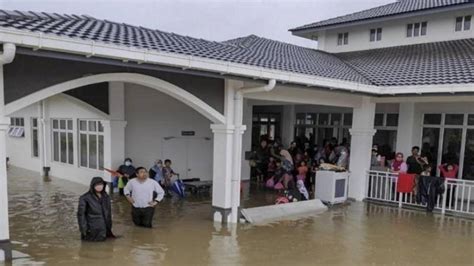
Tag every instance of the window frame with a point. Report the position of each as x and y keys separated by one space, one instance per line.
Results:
x=33 y=129
x=67 y=131
x=17 y=127
x=375 y=35
x=416 y=29
x=342 y=38
x=97 y=133
x=464 y=23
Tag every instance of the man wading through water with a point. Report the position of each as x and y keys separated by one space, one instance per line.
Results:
x=94 y=212
x=143 y=193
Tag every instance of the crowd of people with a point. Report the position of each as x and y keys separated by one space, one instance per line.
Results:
x=292 y=170
x=143 y=190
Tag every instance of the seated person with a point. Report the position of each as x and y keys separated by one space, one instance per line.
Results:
x=126 y=171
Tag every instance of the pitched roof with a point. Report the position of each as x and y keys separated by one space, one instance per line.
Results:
x=396 y=8
x=449 y=62
x=431 y=63
x=260 y=52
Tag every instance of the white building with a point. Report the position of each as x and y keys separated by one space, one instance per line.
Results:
x=79 y=94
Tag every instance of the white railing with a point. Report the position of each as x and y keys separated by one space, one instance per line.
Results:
x=458 y=196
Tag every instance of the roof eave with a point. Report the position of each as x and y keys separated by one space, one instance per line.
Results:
x=300 y=31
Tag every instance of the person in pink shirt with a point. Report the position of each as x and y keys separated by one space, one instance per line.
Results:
x=449 y=170
x=398 y=165
x=302 y=171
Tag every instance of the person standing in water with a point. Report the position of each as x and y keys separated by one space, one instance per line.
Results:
x=143 y=193
x=94 y=212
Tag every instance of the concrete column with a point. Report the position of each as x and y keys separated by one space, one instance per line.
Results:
x=114 y=145
x=222 y=172
x=246 y=139
x=405 y=131
x=362 y=133
x=5 y=248
x=288 y=122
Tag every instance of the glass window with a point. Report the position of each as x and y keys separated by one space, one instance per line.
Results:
x=378 y=120
x=379 y=34
x=336 y=119
x=346 y=38
x=324 y=133
x=92 y=143
x=340 y=37
x=430 y=145
x=83 y=125
x=34 y=137
x=451 y=145
x=372 y=35
x=468 y=167
x=424 y=26
x=392 y=120
x=454 y=119
x=300 y=118
x=324 y=119
x=467 y=22
x=432 y=119
x=470 y=120
x=409 y=30
x=416 y=29
x=387 y=142
x=458 y=26
x=63 y=142
x=348 y=119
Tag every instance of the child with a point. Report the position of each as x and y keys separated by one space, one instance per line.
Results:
x=302 y=171
x=426 y=170
x=449 y=170
x=168 y=174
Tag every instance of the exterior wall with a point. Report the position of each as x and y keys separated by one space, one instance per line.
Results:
x=151 y=117
x=60 y=106
x=440 y=28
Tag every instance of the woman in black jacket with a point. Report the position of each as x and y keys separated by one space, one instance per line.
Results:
x=94 y=212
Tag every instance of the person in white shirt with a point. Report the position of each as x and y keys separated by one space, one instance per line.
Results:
x=143 y=193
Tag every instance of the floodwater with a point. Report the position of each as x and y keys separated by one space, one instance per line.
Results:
x=43 y=225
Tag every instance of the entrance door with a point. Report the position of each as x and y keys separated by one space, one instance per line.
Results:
x=191 y=157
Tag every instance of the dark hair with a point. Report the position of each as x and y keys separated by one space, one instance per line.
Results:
x=426 y=167
x=167 y=161
x=139 y=168
x=415 y=147
x=128 y=159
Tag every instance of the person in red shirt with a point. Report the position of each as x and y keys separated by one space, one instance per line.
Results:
x=302 y=171
x=449 y=171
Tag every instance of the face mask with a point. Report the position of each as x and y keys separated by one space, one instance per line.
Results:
x=128 y=163
x=159 y=164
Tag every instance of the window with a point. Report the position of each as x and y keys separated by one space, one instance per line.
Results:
x=417 y=29
x=17 y=127
x=343 y=38
x=316 y=128
x=34 y=137
x=449 y=138
x=463 y=23
x=376 y=34
x=91 y=144
x=386 y=135
x=63 y=142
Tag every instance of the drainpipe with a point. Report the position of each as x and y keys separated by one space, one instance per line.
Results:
x=237 y=142
x=8 y=53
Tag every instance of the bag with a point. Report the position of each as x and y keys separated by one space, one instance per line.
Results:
x=270 y=183
x=279 y=186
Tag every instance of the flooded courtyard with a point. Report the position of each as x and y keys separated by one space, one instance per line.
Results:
x=43 y=225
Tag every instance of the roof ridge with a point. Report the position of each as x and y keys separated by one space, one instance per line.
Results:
x=16 y=14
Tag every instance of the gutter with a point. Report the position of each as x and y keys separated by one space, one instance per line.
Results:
x=237 y=142
x=8 y=54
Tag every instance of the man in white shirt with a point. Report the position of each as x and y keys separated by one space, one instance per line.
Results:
x=143 y=193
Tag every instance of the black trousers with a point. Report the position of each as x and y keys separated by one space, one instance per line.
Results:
x=143 y=216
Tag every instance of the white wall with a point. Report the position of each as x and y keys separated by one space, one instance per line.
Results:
x=440 y=28
x=151 y=116
x=60 y=106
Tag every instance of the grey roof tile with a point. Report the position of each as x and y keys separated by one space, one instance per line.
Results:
x=398 y=7
x=436 y=63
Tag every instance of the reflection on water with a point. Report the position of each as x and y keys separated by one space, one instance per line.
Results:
x=43 y=225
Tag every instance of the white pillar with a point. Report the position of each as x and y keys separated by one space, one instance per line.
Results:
x=288 y=122
x=5 y=251
x=362 y=133
x=405 y=131
x=246 y=139
x=222 y=172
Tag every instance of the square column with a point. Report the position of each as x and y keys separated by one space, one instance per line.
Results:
x=114 y=145
x=362 y=133
x=44 y=124
x=222 y=172
x=405 y=130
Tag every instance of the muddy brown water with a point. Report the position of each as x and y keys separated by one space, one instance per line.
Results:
x=43 y=225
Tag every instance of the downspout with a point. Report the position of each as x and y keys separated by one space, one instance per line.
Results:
x=6 y=57
x=237 y=142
